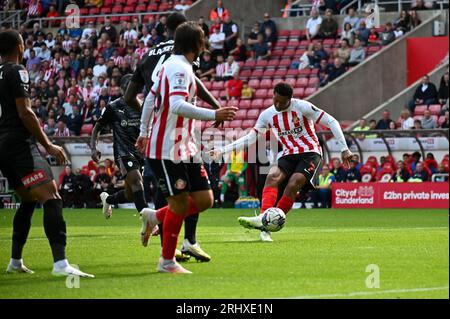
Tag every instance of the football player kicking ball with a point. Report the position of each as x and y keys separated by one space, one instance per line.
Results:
x=22 y=164
x=292 y=121
x=125 y=123
x=171 y=146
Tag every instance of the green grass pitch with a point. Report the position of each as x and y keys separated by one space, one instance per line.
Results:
x=319 y=254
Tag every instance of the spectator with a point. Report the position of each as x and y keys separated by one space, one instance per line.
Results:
x=50 y=41
x=207 y=67
x=422 y=5
x=109 y=29
x=181 y=6
x=426 y=93
x=343 y=52
x=402 y=173
x=357 y=54
x=253 y=36
x=219 y=12
x=235 y=173
x=313 y=24
x=61 y=130
x=52 y=13
x=268 y=23
x=319 y=54
x=220 y=68
x=446 y=123
x=362 y=33
x=50 y=127
x=323 y=72
x=322 y=193
x=415 y=159
x=34 y=9
x=141 y=50
x=338 y=171
x=336 y=70
x=261 y=50
x=44 y=54
x=289 y=6
x=33 y=60
x=403 y=22
x=83 y=189
x=270 y=38
x=155 y=38
x=443 y=89
x=240 y=51
x=247 y=91
x=204 y=26
x=388 y=36
x=351 y=18
x=374 y=37
x=361 y=128
x=441 y=174
x=428 y=122
x=419 y=174
x=347 y=33
x=130 y=34
x=217 y=42
x=431 y=163
x=231 y=68
x=353 y=175
x=100 y=68
x=414 y=19
x=75 y=121
x=406 y=120
x=102 y=181
x=161 y=26
x=329 y=27
x=230 y=29
x=417 y=125
x=68 y=187
x=383 y=124
x=234 y=87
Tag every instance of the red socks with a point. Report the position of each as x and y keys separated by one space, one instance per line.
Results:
x=269 y=198
x=285 y=204
x=172 y=227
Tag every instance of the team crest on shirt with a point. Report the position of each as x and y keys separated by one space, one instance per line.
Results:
x=24 y=76
x=180 y=79
x=180 y=184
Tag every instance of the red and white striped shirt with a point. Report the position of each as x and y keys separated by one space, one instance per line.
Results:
x=172 y=135
x=294 y=127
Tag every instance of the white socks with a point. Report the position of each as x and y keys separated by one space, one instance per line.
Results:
x=16 y=263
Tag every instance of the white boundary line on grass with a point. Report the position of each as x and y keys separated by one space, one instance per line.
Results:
x=369 y=293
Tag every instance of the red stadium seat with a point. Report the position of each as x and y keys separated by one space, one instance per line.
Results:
x=245 y=104
x=141 y=8
x=291 y=81
x=295 y=33
x=267 y=103
x=273 y=64
x=257 y=103
x=233 y=102
x=435 y=109
x=254 y=83
x=265 y=84
x=235 y=124
x=419 y=109
x=257 y=74
x=152 y=7
x=84 y=11
x=299 y=93
x=309 y=91
x=208 y=85
x=86 y=129
x=93 y=11
x=245 y=73
x=108 y=3
x=253 y=114
x=276 y=81
x=304 y=73
x=281 y=45
x=267 y=74
x=372 y=160
x=128 y=9
x=248 y=124
x=441 y=120
x=107 y=10
x=301 y=82
x=313 y=81
x=261 y=93
x=289 y=53
x=285 y=63
x=280 y=73
x=292 y=73
x=261 y=64
x=117 y=9
x=241 y=115
x=218 y=85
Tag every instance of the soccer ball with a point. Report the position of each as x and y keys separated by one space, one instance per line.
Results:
x=273 y=219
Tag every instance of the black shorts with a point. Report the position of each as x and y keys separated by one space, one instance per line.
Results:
x=127 y=164
x=307 y=164
x=23 y=165
x=176 y=178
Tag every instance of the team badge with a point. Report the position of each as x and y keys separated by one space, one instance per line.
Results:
x=180 y=79
x=130 y=164
x=180 y=184
x=24 y=76
x=124 y=123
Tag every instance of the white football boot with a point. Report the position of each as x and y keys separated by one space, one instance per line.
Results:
x=251 y=222
x=265 y=236
x=171 y=266
x=107 y=209
x=62 y=268
x=17 y=266
x=195 y=251
x=149 y=222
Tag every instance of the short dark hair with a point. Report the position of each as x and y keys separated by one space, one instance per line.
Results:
x=9 y=40
x=174 y=20
x=283 y=89
x=189 y=37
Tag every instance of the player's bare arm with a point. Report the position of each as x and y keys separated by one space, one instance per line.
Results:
x=131 y=93
x=95 y=153
x=31 y=122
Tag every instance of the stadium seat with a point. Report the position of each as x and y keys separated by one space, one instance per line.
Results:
x=241 y=115
x=265 y=84
x=128 y=9
x=215 y=93
x=313 y=81
x=277 y=53
x=253 y=114
x=117 y=9
x=108 y=10
x=301 y=82
x=289 y=53
x=254 y=83
x=261 y=93
x=292 y=73
x=303 y=44
x=275 y=82
x=108 y=3
x=235 y=124
x=291 y=81
x=245 y=104
x=261 y=64
x=293 y=43
x=419 y=109
x=309 y=91
x=257 y=74
x=245 y=74
x=141 y=8
x=267 y=74
x=267 y=103
x=435 y=109
x=441 y=120
x=152 y=7
x=273 y=64
x=417 y=117
x=218 y=85
x=299 y=93
x=281 y=45
x=248 y=124
x=94 y=11
x=285 y=62
x=233 y=102
x=208 y=85
x=256 y=104
x=280 y=73
x=86 y=129
x=304 y=73
x=84 y=11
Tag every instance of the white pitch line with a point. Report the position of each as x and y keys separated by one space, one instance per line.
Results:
x=369 y=293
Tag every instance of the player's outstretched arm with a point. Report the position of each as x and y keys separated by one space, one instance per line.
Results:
x=31 y=122
x=180 y=107
x=239 y=144
x=147 y=110
x=205 y=95
x=321 y=117
x=95 y=153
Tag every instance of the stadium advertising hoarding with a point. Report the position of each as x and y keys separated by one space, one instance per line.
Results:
x=390 y=195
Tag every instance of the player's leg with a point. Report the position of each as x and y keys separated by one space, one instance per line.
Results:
x=277 y=174
x=21 y=228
